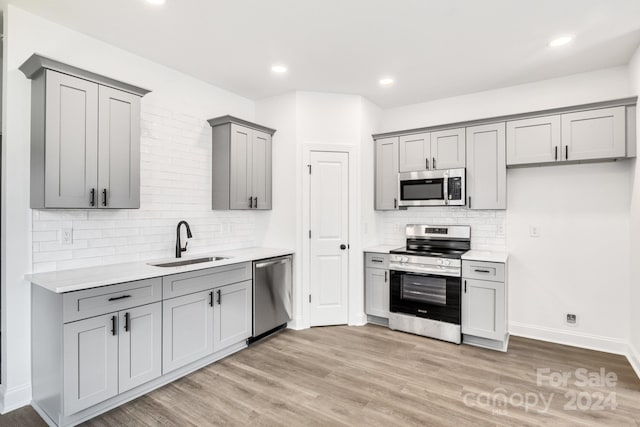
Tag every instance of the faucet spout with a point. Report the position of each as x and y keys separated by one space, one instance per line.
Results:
x=179 y=248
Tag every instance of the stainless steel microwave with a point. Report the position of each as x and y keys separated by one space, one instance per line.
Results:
x=433 y=188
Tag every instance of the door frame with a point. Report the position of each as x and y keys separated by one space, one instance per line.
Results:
x=353 y=317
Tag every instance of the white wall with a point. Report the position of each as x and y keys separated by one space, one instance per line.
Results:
x=582 y=211
x=175 y=163
x=634 y=344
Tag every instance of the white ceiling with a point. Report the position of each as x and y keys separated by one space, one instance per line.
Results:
x=433 y=48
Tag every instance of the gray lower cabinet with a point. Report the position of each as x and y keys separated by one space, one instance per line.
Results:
x=90 y=362
x=187 y=329
x=376 y=284
x=486 y=167
x=139 y=345
x=242 y=177
x=85 y=138
x=484 y=304
x=386 y=174
x=232 y=315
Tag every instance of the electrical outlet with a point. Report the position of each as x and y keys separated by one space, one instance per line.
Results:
x=66 y=236
x=571 y=319
x=534 y=231
x=501 y=230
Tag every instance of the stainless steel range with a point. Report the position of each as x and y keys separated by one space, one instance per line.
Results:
x=426 y=281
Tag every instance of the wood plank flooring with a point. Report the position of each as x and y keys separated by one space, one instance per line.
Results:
x=373 y=376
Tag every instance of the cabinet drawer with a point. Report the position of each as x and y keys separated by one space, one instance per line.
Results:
x=108 y=299
x=201 y=280
x=493 y=271
x=375 y=260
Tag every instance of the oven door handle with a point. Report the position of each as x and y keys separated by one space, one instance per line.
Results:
x=454 y=272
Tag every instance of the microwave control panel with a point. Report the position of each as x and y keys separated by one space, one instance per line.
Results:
x=455 y=188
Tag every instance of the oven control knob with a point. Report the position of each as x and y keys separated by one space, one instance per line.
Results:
x=447 y=262
x=439 y=262
x=405 y=259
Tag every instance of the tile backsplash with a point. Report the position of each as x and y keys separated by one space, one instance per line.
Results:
x=175 y=171
x=487 y=227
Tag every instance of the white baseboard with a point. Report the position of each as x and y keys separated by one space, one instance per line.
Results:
x=14 y=398
x=574 y=339
x=296 y=324
x=633 y=356
x=360 y=319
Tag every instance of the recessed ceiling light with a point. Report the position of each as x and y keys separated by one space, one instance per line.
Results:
x=156 y=2
x=561 y=41
x=386 y=81
x=280 y=69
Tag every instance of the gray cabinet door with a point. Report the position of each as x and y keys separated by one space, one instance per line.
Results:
x=377 y=292
x=240 y=167
x=71 y=135
x=261 y=170
x=535 y=140
x=90 y=362
x=232 y=314
x=448 y=149
x=594 y=134
x=415 y=152
x=119 y=149
x=486 y=167
x=483 y=309
x=386 y=174
x=139 y=345
x=187 y=329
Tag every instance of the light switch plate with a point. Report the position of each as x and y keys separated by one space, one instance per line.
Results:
x=534 y=231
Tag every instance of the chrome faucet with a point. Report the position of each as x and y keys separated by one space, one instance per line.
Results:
x=179 y=248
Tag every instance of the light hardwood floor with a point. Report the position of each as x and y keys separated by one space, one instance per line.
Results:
x=371 y=375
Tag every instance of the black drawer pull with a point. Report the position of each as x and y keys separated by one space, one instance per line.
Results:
x=113 y=325
x=120 y=297
x=376 y=260
x=481 y=271
x=126 y=322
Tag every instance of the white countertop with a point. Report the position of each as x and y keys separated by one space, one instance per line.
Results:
x=382 y=249
x=103 y=275
x=487 y=256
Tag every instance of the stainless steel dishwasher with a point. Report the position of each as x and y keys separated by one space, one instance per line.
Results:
x=272 y=302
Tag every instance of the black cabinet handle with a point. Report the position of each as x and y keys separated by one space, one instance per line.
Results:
x=250 y=202
x=465 y=286
x=385 y=276
x=120 y=297
x=219 y=297
x=343 y=247
x=255 y=203
x=126 y=322
x=433 y=163
x=469 y=202
x=566 y=152
x=481 y=271
x=395 y=203
x=113 y=325
x=211 y=298
x=426 y=161
x=556 y=152
x=104 y=197
x=92 y=200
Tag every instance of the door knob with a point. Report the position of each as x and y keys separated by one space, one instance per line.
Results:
x=343 y=246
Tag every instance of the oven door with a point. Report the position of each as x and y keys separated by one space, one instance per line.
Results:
x=426 y=295
x=427 y=188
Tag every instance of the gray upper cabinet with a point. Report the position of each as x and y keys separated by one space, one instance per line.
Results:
x=241 y=164
x=386 y=174
x=415 y=152
x=594 y=134
x=535 y=140
x=486 y=167
x=118 y=149
x=448 y=149
x=85 y=138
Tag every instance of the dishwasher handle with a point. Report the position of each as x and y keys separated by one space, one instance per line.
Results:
x=266 y=264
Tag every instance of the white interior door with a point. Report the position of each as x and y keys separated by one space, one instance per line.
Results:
x=329 y=226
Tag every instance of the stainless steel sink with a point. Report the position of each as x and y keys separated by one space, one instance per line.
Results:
x=188 y=261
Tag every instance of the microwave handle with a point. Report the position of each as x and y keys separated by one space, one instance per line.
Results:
x=446 y=189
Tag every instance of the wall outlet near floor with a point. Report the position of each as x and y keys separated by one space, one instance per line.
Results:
x=571 y=319
x=66 y=236
x=534 y=231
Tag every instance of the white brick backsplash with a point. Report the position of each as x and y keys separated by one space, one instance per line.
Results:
x=484 y=224
x=175 y=175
